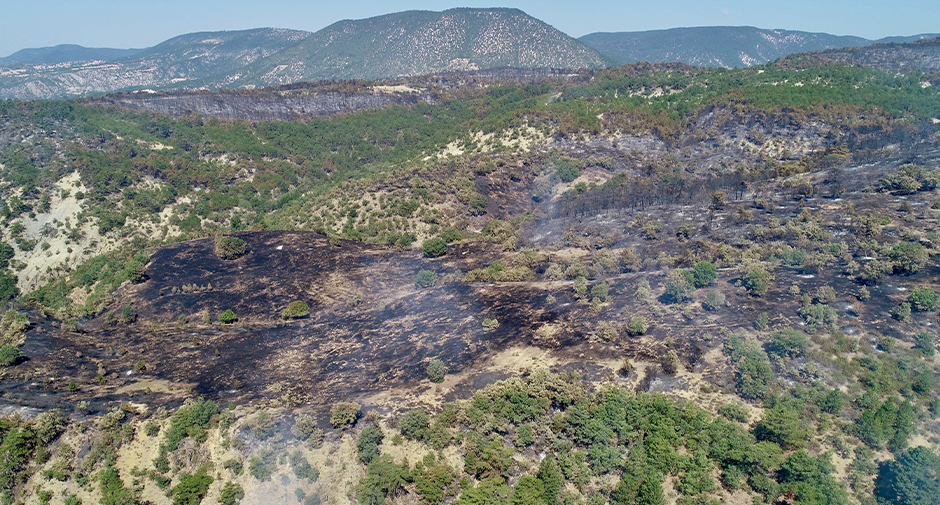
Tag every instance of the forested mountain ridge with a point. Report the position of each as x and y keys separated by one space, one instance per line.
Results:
x=718 y=46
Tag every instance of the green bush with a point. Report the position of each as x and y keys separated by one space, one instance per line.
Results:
x=600 y=292
x=261 y=464
x=678 y=287
x=638 y=326
x=232 y=493
x=9 y=354
x=414 y=424
x=908 y=257
x=450 y=235
x=425 y=279
x=436 y=370
x=191 y=488
x=923 y=299
x=295 y=310
x=703 y=273
x=344 y=414
x=714 y=300
x=924 y=342
x=230 y=248
x=228 y=317
x=434 y=247
x=303 y=427
x=368 y=443
x=788 y=342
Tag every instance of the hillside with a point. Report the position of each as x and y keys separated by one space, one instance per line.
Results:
x=422 y=42
x=62 y=54
x=923 y=54
x=720 y=46
x=174 y=63
x=713 y=46
x=654 y=283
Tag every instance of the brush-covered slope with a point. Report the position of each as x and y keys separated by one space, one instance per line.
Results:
x=713 y=46
x=423 y=42
x=174 y=62
x=64 y=53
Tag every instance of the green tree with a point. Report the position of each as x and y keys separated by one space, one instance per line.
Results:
x=678 y=287
x=908 y=257
x=230 y=248
x=912 y=479
x=344 y=414
x=703 y=273
x=191 y=488
x=232 y=493
x=923 y=299
x=425 y=279
x=434 y=247
x=368 y=443
x=228 y=317
x=414 y=424
x=436 y=370
x=9 y=354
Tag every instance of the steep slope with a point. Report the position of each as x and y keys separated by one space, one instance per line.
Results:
x=64 y=53
x=422 y=42
x=713 y=46
x=174 y=62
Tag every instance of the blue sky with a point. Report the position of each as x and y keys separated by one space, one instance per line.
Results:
x=113 y=23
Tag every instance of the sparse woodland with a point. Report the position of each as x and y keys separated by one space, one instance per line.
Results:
x=648 y=284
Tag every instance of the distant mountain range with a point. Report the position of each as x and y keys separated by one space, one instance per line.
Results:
x=394 y=45
x=720 y=46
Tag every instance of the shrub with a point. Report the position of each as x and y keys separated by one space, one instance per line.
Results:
x=191 y=488
x=9 y=354
x=903 y=313
x=756 y=281
x=228 y=317
x=425 y=279
x=303 y=427
x=230 y=248
x=368 y=443
x=606 y=331
x=678 y=287
x=450 y=235
x=788 y=342
x=436 y=370
x=671 y=363
x=762 y=321
x=924 y=341
x=434 y=247
x=600 y=292
x=923 y=299
x=414 y=424
x=638 y=326
x=344 y=414
x=261 y=463
x=734 y=411
x=232 y=493
x=908 y=257
x=754 y=378
x=703 y=273
x=714 y=300
x=825 y=294
x=295 y=310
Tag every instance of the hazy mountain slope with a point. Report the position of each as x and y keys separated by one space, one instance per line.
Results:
x=422 y=42
x=924 y=55
x=713 y=46
x=174 y=62
x=64 y=53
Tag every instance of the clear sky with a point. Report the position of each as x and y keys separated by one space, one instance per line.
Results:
x=135 y=23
